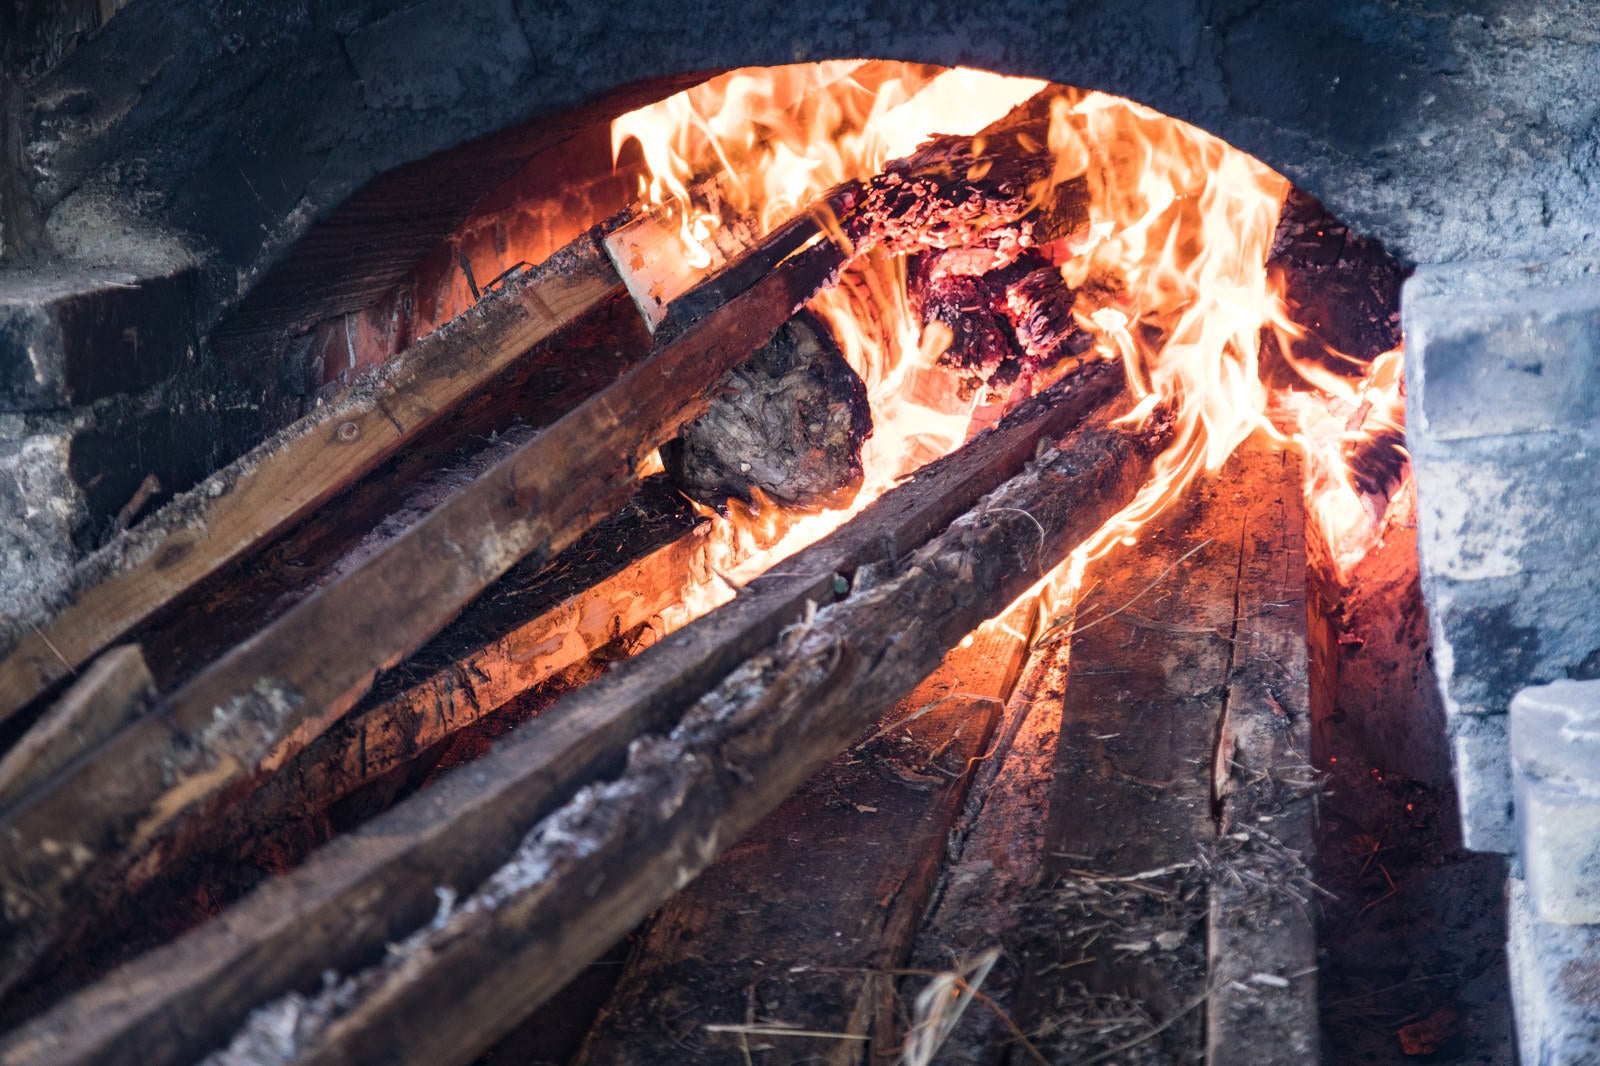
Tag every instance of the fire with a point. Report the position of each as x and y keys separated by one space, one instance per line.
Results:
x=1175 y=258
x=1357 y=467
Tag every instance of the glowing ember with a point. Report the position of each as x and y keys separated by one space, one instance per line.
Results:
x=1170 y=273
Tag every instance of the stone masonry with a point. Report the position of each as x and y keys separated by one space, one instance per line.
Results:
x=1503 y=369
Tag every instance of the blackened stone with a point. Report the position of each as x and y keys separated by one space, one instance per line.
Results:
x=790 y=422
x=71 y=341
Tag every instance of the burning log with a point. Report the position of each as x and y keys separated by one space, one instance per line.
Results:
x=993 y=192
x=226 y=730
x=376 y=884
x=1005 y=323
x=457 y=983
x=790 y=422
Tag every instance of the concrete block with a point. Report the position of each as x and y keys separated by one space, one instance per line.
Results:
x=1500 y=349
x=1555 y=986
x=70 y=338
x=1496 y=507
x=1555 y=759
x=1482 y=755
x=1503 y=382
x=1492 y=638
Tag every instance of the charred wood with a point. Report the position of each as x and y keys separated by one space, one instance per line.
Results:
x=288 y=477
x=854 y=852
x=994 y=191
x=1006 y=322
x=372 y=886
x=461 y=981
x=791 y=422
x=112 y=692
x=534 y=632
x=217 y=738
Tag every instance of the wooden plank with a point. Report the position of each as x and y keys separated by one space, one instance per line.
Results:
x=112 y=692
x=1262 y=940
x=371 y=886
x=997 y=854
x=534 y=624
x=239 y=600
x=589 y=872
x=1160 y=646
x=245 y=716
x=797 y=925
x=301 y=468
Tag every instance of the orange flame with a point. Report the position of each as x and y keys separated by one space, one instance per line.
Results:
x=764 y=143
x=1181 y=225
x=1337 y=424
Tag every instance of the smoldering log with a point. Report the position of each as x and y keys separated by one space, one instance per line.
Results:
x=995 y=190
x=790 y=422
x=594 y=868
x=1006 y=321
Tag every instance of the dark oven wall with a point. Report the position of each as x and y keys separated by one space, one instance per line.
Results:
x=1448 y=134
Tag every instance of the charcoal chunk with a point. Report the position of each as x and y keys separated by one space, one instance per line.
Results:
x=790 y=422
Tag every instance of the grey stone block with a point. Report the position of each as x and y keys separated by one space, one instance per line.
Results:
x=68 y=339
x=1482 y=756
x=1503 y=379
x=1492 y=638
x=1555 y=986
x=1503 y=348
x=1555 y=754
x=1500 y=506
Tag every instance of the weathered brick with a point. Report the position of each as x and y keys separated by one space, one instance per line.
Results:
x=1555 y=758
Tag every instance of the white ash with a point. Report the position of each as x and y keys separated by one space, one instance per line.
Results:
x=287 y=1028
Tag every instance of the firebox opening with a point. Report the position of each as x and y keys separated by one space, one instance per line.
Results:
x=968 y=254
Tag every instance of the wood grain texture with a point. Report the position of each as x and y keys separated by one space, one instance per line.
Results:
x=305 y=465
x=996 y=857
x=1173 y=640
x=112 y=692
x=799 y=922
x=1262 y=938
x=370 y=887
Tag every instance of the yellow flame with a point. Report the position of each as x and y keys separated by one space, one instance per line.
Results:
x=1175 y=255
x=766 y=142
